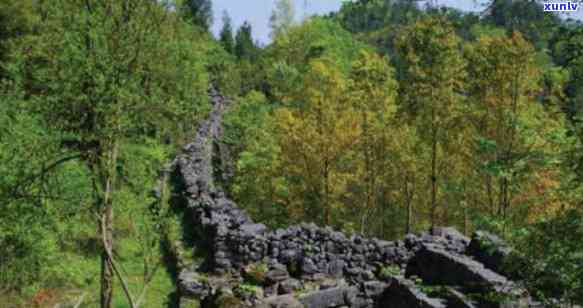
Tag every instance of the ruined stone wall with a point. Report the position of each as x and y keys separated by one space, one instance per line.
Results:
x=311 y=253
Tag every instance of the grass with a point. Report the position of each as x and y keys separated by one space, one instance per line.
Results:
x=78 y=269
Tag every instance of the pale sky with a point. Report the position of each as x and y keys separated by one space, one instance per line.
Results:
x=257 y=12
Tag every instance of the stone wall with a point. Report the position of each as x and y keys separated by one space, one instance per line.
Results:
x=350 y=271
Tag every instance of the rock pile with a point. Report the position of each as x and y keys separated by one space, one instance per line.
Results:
x=439 y=268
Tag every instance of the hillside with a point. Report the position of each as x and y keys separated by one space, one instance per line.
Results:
x=389 y=154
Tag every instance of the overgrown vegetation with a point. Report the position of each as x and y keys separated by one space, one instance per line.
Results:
x=382 y=118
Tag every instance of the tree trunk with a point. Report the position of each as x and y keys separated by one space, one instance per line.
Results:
x=434 y=178
x=409 y=202
x=106 y=267
x=327 y=209
x=106 y=226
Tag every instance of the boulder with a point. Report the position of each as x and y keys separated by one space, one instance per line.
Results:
x=489 y=249
x=325 y=298
x=283 y=301
x=289 y=286
x=276 y=275
x=439 y=267
x=456 y=299
x=403 y=293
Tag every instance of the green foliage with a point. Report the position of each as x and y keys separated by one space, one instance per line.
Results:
x=551 y=257
x=36 y=193
x=313 y=39
x=472 y=122
x=366 y=16
x=226 y=34
x=90 y=106
x=245 y=48
x=248 y=290
x=223 y=70
x=566 y=51
x=389 y=271
x=249 y=128
x=17 y=19
x=528 y=17
x=198 y=12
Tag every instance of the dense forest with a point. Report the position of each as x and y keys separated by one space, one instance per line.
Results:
x=384 y=118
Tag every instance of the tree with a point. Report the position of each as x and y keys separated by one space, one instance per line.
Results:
x=244 y=46
x=199 y=12
x=259 y=185
x=432 y=79
x=282 y=17
x=372 y=91
x=566 y=49
x=550 y=258
x=515 y=132
x=318 y=130
x=290 y=55
x=527 y=17
x=226 y=34
x=97 y=87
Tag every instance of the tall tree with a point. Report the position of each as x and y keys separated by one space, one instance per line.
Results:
x=514 y=143
x=566 y=50
x=373 y=91
x=282 y=17
x=226 y=34
x=244 y=46
x=99 y=74
x=199 y=12
x=318 y=130
x=433 y=76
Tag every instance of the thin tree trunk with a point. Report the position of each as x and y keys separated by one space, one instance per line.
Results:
x=491 y=205
x=368 y=174
x=106 y=268
x=327 y=214
x=434 y=178
x=409 y=204
x=465 y=209
x=107 y=271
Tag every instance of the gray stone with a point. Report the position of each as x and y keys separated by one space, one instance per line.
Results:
x=437 y=266
x=289 y=286
x=190 y=285
x=283 y=301
x=276 y=275
x=373 y=289
x=336 y=268
x=456 y=299
x=489 y=249
x=402 y=293
x=308 y=267
x=324 y=298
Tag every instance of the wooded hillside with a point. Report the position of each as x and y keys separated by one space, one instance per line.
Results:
x=382 y=119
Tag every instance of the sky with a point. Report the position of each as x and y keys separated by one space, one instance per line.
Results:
x=257 y=12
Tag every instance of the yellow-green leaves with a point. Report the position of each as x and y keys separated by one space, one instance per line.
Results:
x=433 y=79
x=316 y=137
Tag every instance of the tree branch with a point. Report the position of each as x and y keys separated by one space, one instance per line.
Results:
x=50 y=167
